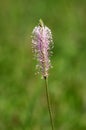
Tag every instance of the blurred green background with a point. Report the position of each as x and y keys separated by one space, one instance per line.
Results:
x=22 y=93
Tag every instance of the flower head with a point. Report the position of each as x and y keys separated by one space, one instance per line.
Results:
x=42 y=44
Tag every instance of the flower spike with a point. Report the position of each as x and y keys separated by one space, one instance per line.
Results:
x=42 y=45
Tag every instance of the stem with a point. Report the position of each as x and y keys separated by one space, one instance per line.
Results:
x=48 y=103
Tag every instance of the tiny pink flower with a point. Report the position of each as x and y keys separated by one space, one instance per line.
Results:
x=42 y=45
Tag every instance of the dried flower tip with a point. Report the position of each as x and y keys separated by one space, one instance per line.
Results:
x=42 y=44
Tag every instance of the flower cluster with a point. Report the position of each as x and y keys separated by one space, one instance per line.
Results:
x=42 y=44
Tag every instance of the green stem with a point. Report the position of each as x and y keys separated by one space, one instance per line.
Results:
x=48 y=103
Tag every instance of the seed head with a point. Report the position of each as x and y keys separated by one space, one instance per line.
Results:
x=42 y=44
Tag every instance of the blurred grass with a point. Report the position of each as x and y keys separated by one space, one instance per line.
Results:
x=22 y=99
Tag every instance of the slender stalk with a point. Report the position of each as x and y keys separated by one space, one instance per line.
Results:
x=48 y=103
